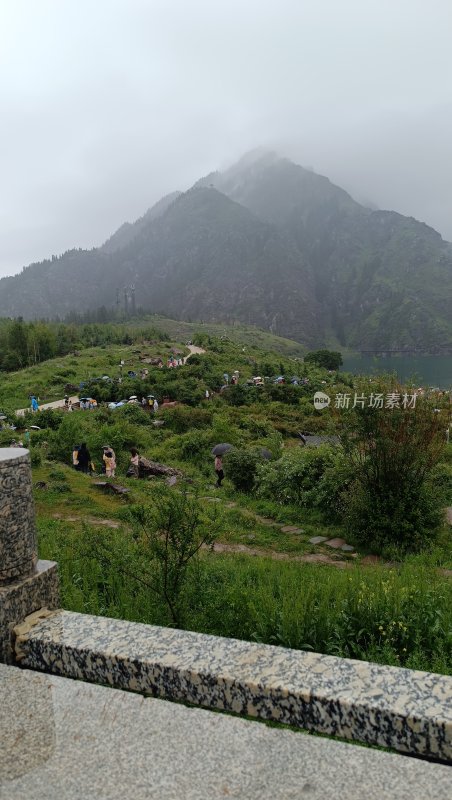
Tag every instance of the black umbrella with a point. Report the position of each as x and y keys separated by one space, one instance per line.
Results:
x=266 y=453
x=221 y=449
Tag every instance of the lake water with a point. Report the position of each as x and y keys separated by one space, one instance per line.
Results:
x=425 y=370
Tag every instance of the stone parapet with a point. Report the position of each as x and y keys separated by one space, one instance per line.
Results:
x=20 y=599
x=402 y=709
x=66 y=740
x=18 y=548
x=26 y=584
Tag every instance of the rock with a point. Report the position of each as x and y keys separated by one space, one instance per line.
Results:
x=171 y=481
x=318 y=539
x=290 y=529
x=335 y=543
x=146 y=467
x=347 y=548
x=110 y=487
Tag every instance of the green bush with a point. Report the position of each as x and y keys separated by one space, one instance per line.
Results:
x=49 y=418
x=257 y=426
x=296 y=477
x=241 y=468
x=328 y=359
x=195 y=446
x=133 y=413
x=239 y=395
x=393 y=503
x=181 y=418
x=35 y=457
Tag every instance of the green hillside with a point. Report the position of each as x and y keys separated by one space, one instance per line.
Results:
x=265 y=575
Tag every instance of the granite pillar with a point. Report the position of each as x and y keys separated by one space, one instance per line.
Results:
x=26 y=584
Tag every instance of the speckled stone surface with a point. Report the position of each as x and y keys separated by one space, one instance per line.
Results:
x=66 y=740
x=18 y=549
x=19 y=599
x=403 y=709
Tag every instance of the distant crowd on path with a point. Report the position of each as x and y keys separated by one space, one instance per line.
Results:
x=150 y=402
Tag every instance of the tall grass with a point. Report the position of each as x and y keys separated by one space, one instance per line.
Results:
x=395 y=616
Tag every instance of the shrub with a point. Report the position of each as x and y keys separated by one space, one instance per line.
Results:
x=181 y=418
x=328 y=359
x=239 y=395
x=258 y=427
x=393 y=502
x=49 y=418
x=35 y=457
x=241 y=468
x=296 y=477
x=194 y=446
x=133 y=413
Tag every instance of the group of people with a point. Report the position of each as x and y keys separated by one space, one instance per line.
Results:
x=150 y=402
x=82 y=462
x=174 y=361
x=234 y=378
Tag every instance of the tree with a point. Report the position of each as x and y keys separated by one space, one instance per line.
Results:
x=171 y=534
x=329 y=359
x=393 y=502
x=18 y=341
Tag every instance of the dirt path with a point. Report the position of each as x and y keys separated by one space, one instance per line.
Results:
x=309 y=558
x=193 y=349
x=55 y=404
x=106 y=523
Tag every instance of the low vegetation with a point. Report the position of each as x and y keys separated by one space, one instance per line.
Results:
x=222 y=561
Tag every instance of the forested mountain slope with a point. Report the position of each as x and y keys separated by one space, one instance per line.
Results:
x=270 y=243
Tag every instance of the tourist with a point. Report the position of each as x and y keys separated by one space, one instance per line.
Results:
x=34 y=404
x=219 y=471
x=27 y=437
x=69 y=406
x=207 y=394
x=84 y=458
x=110 y=463
x=155 y=405
x=135 y=462
x=75 y=463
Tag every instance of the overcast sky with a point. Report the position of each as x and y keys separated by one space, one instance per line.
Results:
x=106 y=105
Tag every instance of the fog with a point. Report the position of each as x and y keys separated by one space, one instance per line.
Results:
x=108 y=105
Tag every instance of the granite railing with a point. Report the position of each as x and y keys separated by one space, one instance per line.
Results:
x=26 y=583
x=402 y=709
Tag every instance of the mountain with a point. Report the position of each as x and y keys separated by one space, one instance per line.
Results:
x=265 y=242
x=128 y=231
